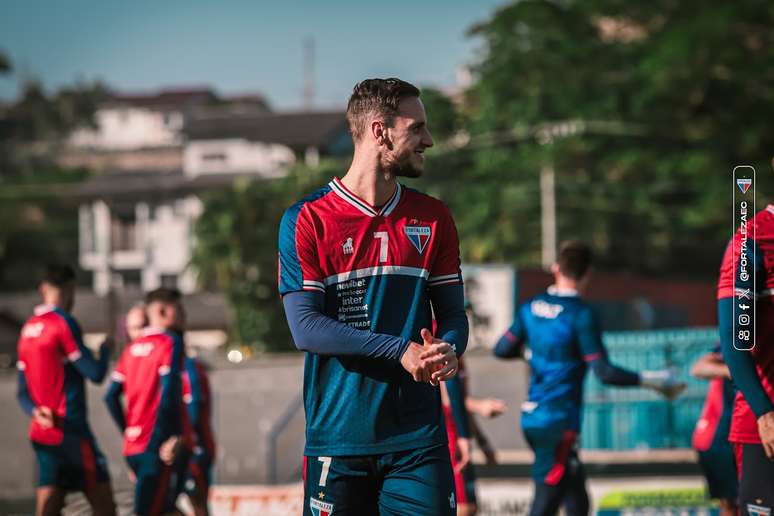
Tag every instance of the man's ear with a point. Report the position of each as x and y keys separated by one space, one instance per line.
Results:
x=554 y=268
x=381 y=134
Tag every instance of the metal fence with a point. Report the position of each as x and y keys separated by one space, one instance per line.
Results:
x=624 y=419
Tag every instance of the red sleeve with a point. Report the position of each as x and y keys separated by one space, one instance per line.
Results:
x=445 y=270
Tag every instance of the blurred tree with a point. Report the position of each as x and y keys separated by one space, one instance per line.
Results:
x=39 y=223
x=688 y=86
x=441 y=114
x=236 y=251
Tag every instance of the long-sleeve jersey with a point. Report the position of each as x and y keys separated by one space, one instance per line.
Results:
x=561 y=336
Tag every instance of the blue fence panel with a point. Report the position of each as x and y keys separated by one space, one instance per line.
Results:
x=622 y=419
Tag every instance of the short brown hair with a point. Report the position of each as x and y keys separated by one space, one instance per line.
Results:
x=574 y=259
x=167 y=296
x=378 y=97
x=58 y=274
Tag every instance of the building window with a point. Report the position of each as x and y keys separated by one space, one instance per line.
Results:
x=123 y=228
x=169 y=280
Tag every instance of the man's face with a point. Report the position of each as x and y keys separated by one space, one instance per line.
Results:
x=135 y=322
x=406 y=140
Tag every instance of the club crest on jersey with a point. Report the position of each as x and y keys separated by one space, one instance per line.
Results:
x=348 y=247
x=320 y=508
x=419 y=236
x=744 y=184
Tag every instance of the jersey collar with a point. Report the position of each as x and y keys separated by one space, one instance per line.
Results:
x=562 y=292
x=152 y=330
x=339 y=189
x=44 y=309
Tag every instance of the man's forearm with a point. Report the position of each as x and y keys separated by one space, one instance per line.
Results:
x=315 y=332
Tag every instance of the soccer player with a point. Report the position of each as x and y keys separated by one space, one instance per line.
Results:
x=563 y=340
x=710 y=437
x=198 y=400
x=53 y=362
x=364 y=264
x=155 y=425
x=752 y=422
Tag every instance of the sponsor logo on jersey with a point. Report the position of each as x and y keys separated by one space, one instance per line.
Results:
x=320 y=508
x=744 y=184
x=758 y=510
x=419 y=236
x=546 y=310
x=32 y=330
x=348 y=247
x=141 y=349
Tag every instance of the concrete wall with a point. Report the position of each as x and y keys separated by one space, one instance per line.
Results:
x=248 y=400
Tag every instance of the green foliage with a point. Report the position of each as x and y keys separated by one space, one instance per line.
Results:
x=689 y=81
x=236 y=251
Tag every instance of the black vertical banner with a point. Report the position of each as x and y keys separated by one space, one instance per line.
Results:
x=744 y=252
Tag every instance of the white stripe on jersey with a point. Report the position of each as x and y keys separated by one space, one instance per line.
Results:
x=433 y=279
x=388 y=207
x=377 y=271
x=312 y=283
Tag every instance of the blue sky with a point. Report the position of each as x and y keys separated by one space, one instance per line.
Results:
x=238 y=46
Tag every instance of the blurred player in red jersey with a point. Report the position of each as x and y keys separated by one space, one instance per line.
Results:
x=157 y=433
x=461 y=428
x=52 y=364
x=198 y=399
x=710 y=437
x=751 y=253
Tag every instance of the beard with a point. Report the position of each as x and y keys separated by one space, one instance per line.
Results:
x=402 y=166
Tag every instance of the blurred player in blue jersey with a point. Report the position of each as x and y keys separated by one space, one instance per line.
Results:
x=365 y=263
x=558 y=334
x=53 y=362
x=710 y=437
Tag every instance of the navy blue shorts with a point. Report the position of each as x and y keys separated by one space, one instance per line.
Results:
x=158 y=485
x=406 y=482
x=76 y=464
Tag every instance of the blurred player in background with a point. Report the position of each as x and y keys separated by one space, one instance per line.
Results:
x=53 y=362
x=157 y=434
x=710 y=437
x=752 y=423
x=558 y=334
x=364 y=263
x=461 y=428
x=198 y=400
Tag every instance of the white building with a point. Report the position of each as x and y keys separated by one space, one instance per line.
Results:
x=137 y=227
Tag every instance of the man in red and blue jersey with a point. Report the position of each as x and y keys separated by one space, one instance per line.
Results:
x=198 y=399
x=710 y=437
x=558 y=334
x=157 y=434
x=53 y=362
x=752 y=423
x=365 y=263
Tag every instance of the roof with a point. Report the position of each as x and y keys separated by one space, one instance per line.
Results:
x=297 y=130
x=165 y=99
x=131 y=184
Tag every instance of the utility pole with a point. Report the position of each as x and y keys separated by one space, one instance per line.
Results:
x=548 y=214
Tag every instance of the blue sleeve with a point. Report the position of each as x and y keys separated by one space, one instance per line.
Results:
x=315 y=332
x=23 y=394
x=594 y=353
x=194 y=407
x=456 y=392
x=741 y=363
x=113 y=402
x=511 y=344
x=169 y=421
x=450 y=317
x=94 y=370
